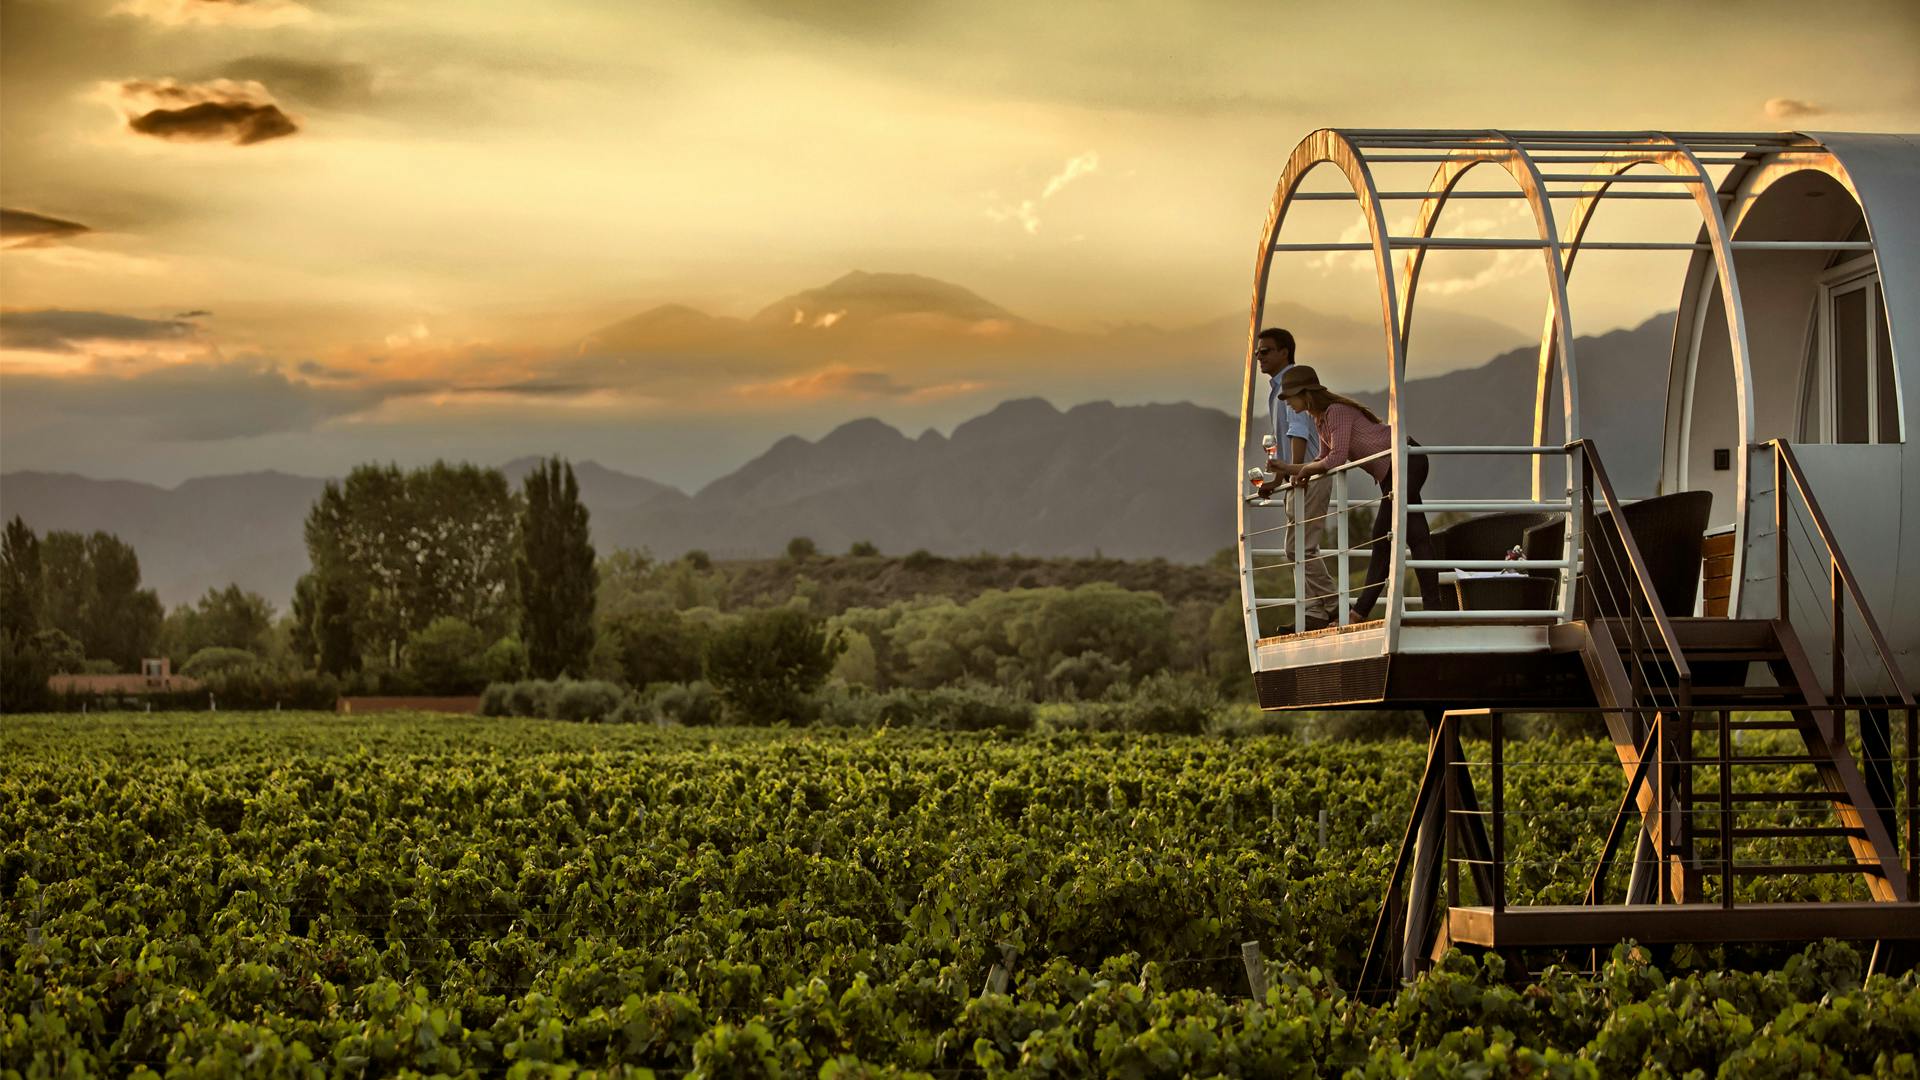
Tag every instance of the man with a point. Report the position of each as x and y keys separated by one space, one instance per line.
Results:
x=1297 y=442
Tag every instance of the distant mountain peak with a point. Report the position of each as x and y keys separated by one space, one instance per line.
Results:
x=860 y=296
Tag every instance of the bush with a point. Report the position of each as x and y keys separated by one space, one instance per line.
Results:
x=650 y=646
x=262 y=687
x=215 y=659
x=504 y=661
x=1089 y=675
x=693 y=704
x=768 y=662
x=443 y=656
x=1163 y=704
x=962 y=707
x=585 y=700
x=863 y=549
x=528 y=697
x=1166 y=704
x=802 y=547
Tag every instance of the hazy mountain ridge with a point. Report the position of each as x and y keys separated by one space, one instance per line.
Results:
x=1025 y=477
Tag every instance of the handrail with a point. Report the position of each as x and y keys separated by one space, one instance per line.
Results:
x=1642 y=576
x=1841 y=570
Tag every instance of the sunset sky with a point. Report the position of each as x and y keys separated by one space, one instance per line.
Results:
x=246 y=234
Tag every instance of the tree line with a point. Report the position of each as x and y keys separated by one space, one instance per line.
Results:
x=445 y=579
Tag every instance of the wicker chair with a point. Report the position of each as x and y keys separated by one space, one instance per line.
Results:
x=1668 y=530
x=1490 y=536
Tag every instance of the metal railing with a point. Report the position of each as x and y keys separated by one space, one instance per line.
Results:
x=1288 y=502
x=1842 y=584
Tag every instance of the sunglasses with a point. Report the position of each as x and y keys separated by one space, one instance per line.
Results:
x=1263 y=350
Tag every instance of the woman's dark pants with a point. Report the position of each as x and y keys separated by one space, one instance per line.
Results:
x=1418 y=539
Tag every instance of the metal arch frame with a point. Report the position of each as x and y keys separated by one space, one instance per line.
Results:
x=1523 y=154
x=1322 y=147
x=1755 y=183
x=1558 y=332
x=1526 y=174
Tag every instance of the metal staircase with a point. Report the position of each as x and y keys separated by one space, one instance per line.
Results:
x=1743 y=791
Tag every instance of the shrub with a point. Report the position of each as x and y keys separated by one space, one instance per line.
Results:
x=1089 y=675
x=768 y=662
x=444 y=654
x=921 y=560
x=693 y=704
x=588 y=700
x=650 y=646
x=528 y=697
x=217 y=658
x=802 y=547
x=585 y=700
x=504 y=661
x=862 y=549
x=962 y=707
x=1166 y=704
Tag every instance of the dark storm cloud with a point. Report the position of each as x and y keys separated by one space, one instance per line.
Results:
x=190 y=402
x=24 y=228
x=54 y=330
x=196 y=313
x=328 y=84
x=242 y=122
x=235 y=110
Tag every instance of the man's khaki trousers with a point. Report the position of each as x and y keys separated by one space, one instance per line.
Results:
x=1310 y=516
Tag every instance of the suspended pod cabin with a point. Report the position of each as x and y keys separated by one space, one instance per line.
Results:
x=1748 y=634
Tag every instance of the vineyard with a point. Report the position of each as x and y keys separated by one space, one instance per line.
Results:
x=306 y=895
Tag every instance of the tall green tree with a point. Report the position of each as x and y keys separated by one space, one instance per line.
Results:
x=554 y=573
x=23 y=666
x=122 y=619
x=91 y=591
x=21 y=587
x=231 y=618
x=405 y=548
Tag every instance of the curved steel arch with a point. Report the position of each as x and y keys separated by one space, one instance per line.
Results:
x=1326 y=146
x=1680 y=160
x=1518 y=164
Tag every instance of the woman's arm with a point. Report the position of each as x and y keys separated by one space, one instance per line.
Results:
x=1334 y=432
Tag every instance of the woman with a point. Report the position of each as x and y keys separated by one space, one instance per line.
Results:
x=1349 y=431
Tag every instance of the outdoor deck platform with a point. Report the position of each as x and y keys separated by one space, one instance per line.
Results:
x=1546 y=927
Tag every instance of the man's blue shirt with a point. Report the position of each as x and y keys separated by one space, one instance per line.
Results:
x=1287 y=422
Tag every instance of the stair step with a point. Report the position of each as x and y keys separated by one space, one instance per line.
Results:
x=1793 y=869
x=1753 y=725
x=1697 y=655
x=1786 y=832
x=1755 y=759
x=1748 y=692
x=1815 y=797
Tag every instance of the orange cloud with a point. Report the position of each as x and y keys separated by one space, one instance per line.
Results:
x=846 y=383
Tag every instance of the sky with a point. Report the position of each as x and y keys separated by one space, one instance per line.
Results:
x=304 y=234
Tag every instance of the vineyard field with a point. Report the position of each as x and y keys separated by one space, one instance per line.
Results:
x=304 y=894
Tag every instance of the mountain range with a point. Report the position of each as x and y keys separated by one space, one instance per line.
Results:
x=1026 y=477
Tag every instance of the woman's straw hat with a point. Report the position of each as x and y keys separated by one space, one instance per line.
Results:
x=1299 y=378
